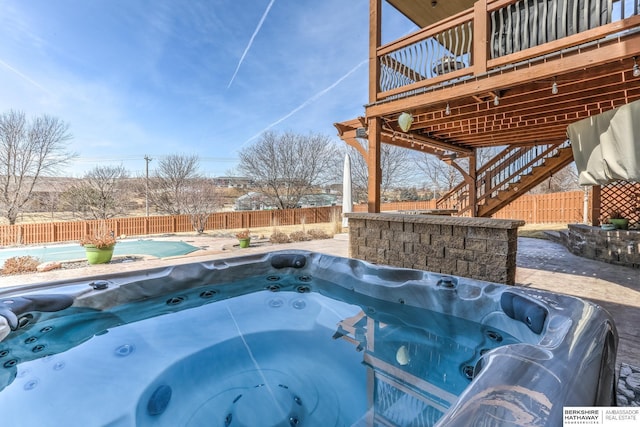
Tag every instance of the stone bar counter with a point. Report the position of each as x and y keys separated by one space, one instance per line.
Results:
x=479 y=248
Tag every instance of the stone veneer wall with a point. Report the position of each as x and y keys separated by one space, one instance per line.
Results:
x=479 y=248
x=613 y=246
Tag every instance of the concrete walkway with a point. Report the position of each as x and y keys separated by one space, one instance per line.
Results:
x=541 y=264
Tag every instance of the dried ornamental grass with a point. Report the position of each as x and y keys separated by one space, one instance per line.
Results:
x=244 y=234
x=317 y=234
x=101 y=238
x=299 y=236
x=279 y=237
x=20 y=264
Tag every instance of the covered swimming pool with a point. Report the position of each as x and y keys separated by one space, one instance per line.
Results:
x=155 y=248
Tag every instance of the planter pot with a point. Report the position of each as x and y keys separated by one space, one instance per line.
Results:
x=98 y=255
x=244 y=243
x=620 y=223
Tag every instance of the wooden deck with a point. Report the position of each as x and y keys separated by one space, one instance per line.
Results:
x=471 y=78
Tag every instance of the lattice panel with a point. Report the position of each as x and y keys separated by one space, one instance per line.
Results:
x=624 y=197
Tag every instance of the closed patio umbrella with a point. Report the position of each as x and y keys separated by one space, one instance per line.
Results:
x=347 y=204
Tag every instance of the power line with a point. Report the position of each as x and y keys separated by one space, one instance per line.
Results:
x=133 y=158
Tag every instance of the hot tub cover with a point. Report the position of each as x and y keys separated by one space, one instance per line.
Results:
x=606 y=147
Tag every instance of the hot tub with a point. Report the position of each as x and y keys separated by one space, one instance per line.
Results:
x=298 y=338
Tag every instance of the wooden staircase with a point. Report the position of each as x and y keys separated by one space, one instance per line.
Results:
x=510 y=174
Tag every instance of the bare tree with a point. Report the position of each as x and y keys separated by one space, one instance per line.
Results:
x=288 y=166
x=441 y=177
x=28 y=151
x=565 y=179
x=177 y=188
x=102 y=194
x=170 y=182
x=199 y=201
x=395 y=163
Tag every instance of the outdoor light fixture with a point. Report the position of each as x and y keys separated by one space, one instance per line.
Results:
x=496 y=100
x=361 y=132
x=554 y=87
x=404 y=121
x=636 y=69
x=447 y=110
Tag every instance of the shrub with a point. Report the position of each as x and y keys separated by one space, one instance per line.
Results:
x=299 y=236
x=278 y=236
x=317 y=234
x=20 y=264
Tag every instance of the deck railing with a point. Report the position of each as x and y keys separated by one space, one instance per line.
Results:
x=518 y=30
x=497 y=175
x=428 y=54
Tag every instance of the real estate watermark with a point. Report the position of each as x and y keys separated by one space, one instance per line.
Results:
x=600 y=416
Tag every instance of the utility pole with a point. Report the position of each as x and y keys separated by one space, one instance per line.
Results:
x=146 y=184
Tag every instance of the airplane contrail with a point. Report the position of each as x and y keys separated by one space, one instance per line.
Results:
x=255 y=33
x=308 y=101
x=24 y=76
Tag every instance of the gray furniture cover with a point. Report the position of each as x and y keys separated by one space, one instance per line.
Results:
x=606 y=147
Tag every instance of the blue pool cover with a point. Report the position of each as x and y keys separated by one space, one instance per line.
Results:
x=156 y=248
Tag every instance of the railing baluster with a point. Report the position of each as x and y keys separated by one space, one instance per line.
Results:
x=529 y=25
x=494 y=36
x=469 y=44
x=503 y=31
x=423 y=64
x=455 y=48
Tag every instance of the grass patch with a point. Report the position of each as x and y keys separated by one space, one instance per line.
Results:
x=537 y=231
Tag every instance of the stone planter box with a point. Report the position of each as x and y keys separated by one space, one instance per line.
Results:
x=613 y=246
x=479 y=248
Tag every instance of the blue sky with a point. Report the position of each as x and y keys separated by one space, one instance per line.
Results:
x=160 y=77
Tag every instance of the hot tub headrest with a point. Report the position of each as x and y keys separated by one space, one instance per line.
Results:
x=12 y=308
x=288 y=260
x=528 y=312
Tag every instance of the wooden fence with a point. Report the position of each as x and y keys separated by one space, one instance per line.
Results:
x=567 y=207
x=539 y=208
x=24 y=234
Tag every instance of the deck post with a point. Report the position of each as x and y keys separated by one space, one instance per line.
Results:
x=373 y=165
x=480 y=37
x=374 y=123
x=375 y=40
x=473 y=189
x=596 y=201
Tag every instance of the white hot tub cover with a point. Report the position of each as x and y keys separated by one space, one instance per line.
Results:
x=606 y=147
